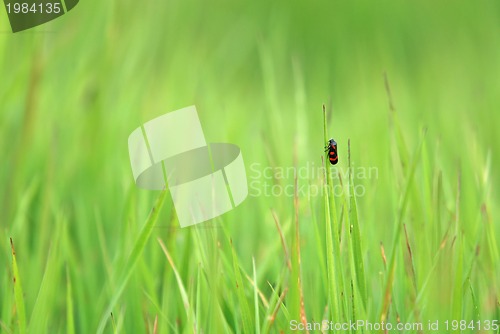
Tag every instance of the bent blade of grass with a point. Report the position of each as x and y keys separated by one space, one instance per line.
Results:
x=275 y=304
x=164 y=302
x=159 y=310
x=140 y=244
x=18 y=292
x=184 y=295
x=261 y=295
x=282 y=238
x=275 y=300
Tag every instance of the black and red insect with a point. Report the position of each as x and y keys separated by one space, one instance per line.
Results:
x=332 y=151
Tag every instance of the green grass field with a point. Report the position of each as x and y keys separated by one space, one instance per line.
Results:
x=410 y=233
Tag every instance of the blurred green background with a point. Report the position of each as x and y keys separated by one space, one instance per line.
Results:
x=72 y=90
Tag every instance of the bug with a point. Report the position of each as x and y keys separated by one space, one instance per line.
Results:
x=332 y=151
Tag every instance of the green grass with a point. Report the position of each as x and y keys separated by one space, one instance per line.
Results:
x=18 y=292
x=410 y=93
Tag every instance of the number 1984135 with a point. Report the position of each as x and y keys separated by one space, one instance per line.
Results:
x=35 y=8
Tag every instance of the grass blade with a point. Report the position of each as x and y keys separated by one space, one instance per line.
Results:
x=330 y=240
x=49 y=286
x=245 y=308
x=399 y=227
x=184 y=295
x=113 y=323
x=139 y=246
x=256 y=298
x=70 y=321
x=356 y=234
x=18 y=292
